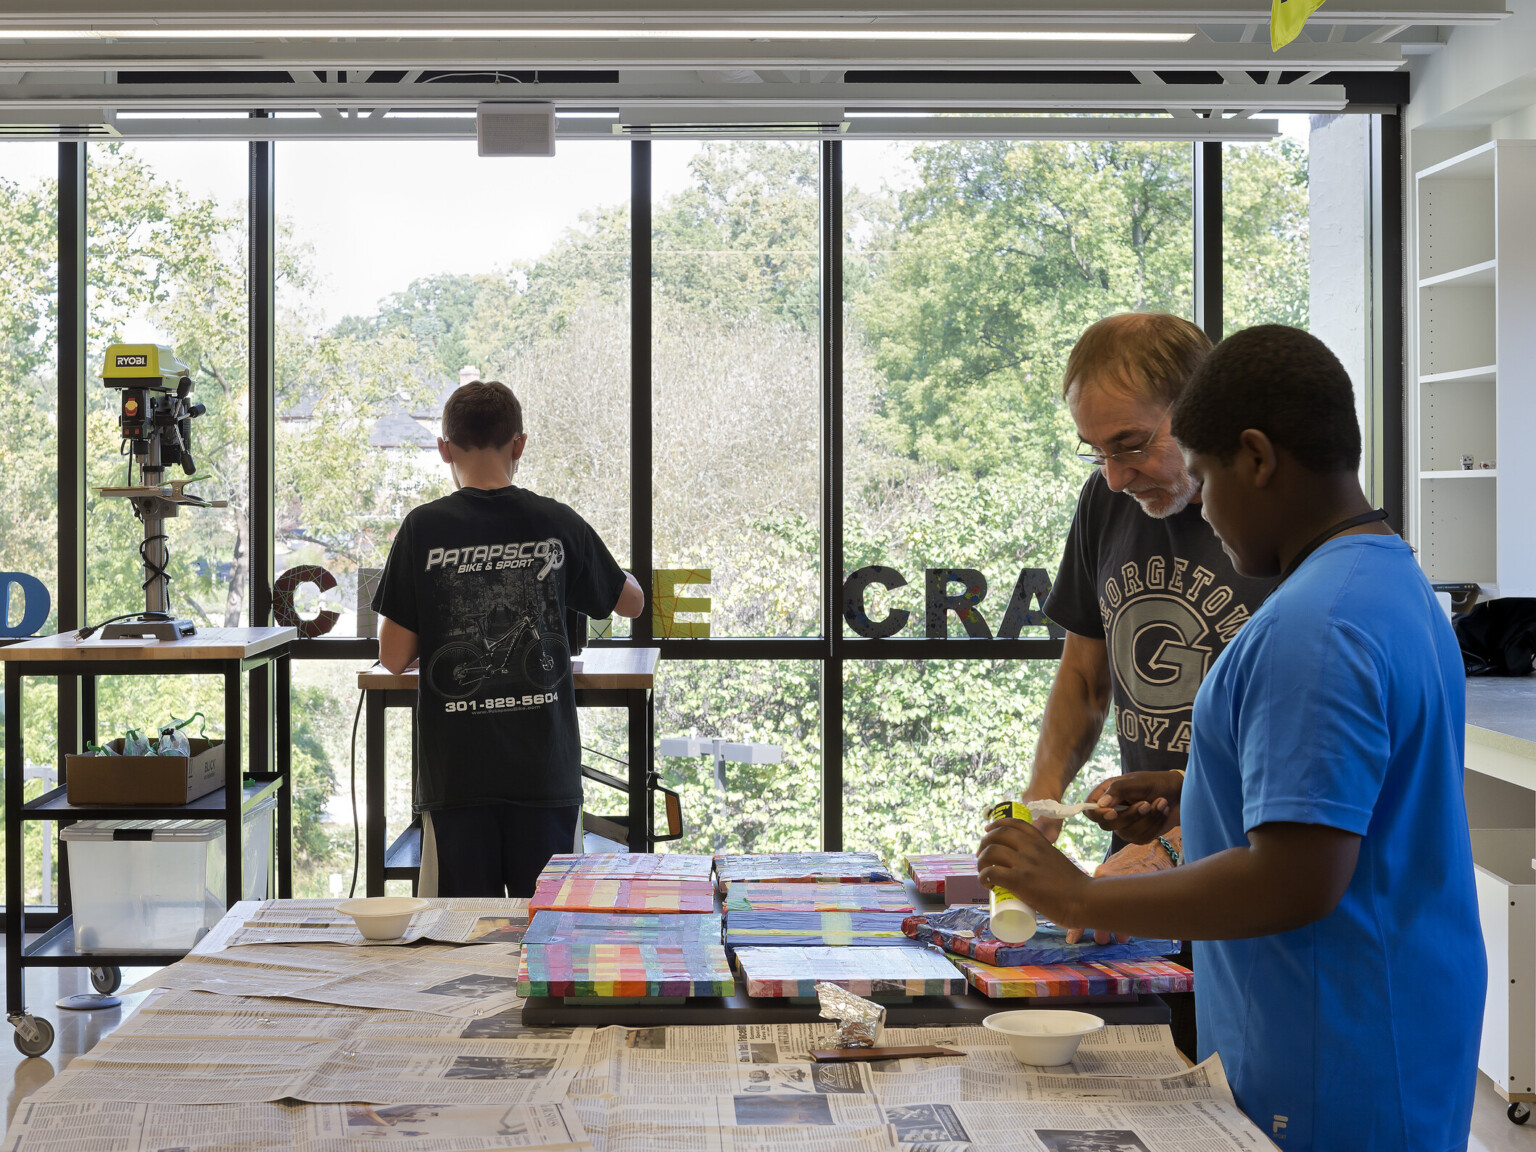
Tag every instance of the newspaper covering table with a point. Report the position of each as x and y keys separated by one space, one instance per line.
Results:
x=318 y=922
x=194 y=1070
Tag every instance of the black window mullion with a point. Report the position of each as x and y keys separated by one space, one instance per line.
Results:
x=641 y=534
x=70 y=583
x=831 y=194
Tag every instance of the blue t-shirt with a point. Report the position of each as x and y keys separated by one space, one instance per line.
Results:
x=1343 y=702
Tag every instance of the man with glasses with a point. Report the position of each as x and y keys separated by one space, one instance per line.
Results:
x=1145 y=592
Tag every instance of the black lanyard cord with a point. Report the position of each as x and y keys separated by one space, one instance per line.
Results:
x=1328 y=534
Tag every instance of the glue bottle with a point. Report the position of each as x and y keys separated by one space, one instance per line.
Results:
x=1013 y=921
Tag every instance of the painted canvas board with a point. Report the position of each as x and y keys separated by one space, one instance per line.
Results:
x=550 y=927
x=771 y=972
x=625 y=970
x=630 y=865
x=930 y=870
x=1114 y=977
x=578 y=893
x=802 y=868
x=816 y=929
x=758 y=896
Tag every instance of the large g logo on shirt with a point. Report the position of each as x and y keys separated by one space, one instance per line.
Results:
x=1154 y=644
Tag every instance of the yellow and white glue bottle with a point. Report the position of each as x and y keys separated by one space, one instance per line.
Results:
x=1013 y=921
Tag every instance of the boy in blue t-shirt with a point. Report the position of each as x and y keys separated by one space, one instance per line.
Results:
x=1328 y=880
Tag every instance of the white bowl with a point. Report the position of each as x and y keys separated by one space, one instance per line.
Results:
x=1041 y=1036
x=382 y=917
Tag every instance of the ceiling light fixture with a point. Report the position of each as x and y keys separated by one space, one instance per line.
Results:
x=840 y=34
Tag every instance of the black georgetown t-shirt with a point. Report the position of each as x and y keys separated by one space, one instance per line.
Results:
x=1165 y=599
x=484 y=578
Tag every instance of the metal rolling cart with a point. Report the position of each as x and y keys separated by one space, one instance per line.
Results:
x=227 y=652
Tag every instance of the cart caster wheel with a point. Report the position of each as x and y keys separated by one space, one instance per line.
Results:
x=1518 y=1113
x=107 y=980
x=41 y=1041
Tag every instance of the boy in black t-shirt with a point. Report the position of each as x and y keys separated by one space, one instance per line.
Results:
x=476 y=586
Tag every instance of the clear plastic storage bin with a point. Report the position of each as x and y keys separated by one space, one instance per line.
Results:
x=158 y=885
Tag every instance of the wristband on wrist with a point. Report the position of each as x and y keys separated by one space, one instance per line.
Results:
x=1173 y=853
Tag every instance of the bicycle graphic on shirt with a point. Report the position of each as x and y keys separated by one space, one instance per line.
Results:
x=457 y=670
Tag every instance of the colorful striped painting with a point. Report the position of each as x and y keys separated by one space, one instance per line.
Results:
x=578 y=893
x=824 y=929
x=625 y=970
x=623 y=928
x=929 y=871
x=864 y=971
x=757 y=896
x=802 y=868
x=964 y=931
x=1115 y=977
x=630 y=865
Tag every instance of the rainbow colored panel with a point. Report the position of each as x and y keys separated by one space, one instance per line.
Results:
x=623 y=928
x=816 y=929
x=863 y=971
x=625 y=970
x=578 y=893
x=757 y=896
x=802 y=868
x=930 y=871
x=1112 y=977
x=630 y=865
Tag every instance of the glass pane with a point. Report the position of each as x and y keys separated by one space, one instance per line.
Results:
x=1267 y=255
x=928 y=745
x=972 y=268
x=736 y=381
x=167 y=244
x=773 y=805
x=510 y=270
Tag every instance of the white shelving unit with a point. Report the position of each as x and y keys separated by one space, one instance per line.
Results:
x=1475 y=393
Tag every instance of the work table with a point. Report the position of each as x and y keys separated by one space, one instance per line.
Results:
x=1501 y=728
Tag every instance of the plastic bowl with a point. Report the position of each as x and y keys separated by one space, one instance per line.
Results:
x=382 y=917
x=1043 y=1037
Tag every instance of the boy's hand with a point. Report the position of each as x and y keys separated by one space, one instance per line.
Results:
x=1016 y=856
x=1139 y=806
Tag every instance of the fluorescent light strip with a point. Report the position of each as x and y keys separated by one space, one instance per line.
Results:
x=979 y=34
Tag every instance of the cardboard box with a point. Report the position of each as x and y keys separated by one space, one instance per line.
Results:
x=145 y=779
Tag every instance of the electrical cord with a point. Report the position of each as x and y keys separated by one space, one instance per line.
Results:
x=357 y=716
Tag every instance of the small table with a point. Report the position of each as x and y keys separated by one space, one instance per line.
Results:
x=226 y=652
x=610 y=677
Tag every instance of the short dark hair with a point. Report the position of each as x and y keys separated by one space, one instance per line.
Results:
x=1149 y=354
x=1281 y=381
x=482 y=414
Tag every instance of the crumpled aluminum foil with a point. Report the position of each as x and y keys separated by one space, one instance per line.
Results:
x=859 y=1020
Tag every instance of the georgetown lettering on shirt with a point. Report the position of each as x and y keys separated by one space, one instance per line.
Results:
x=1160 y=619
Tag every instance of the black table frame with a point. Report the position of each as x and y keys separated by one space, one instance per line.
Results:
x=382 y=864
x=55 y=947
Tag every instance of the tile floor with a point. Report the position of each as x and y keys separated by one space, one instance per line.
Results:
x=78 y=1031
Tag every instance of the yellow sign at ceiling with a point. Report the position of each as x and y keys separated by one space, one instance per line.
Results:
x=1286 y=20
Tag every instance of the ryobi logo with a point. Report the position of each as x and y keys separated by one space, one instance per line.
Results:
x=139 y=361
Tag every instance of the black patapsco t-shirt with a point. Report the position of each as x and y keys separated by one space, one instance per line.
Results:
x=1165 y=599
x=484 y=578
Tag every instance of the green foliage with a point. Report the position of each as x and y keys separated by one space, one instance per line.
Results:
x=963 y=295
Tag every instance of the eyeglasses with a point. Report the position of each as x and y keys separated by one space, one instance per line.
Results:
x=1128 y=457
